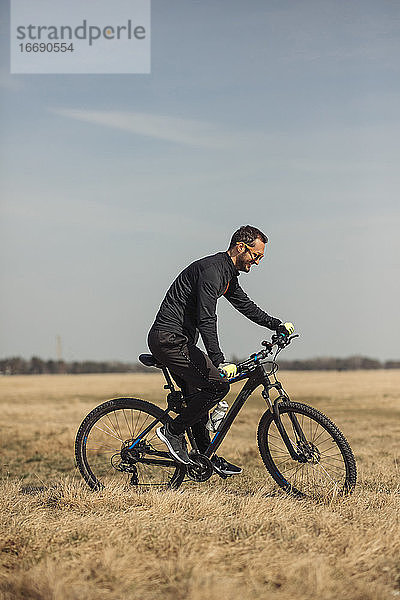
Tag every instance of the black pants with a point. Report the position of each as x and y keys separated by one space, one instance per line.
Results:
x=194 y=372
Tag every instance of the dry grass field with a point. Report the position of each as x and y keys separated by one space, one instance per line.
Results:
x=237 y=539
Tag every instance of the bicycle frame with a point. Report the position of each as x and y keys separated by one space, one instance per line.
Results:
x=256 y=379
x=127 y=448
x=258 y=376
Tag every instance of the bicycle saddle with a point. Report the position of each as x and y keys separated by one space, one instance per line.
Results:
x=149 y=360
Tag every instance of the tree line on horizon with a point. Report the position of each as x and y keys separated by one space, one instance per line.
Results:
x=37 y=366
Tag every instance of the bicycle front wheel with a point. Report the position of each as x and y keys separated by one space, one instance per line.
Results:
x=117 y=444
x=325 y=464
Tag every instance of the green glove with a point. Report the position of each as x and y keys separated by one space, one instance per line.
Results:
x=228 y=369
x=285 y=328
x=290 y=327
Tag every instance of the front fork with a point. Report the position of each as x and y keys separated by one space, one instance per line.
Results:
x=282 y=399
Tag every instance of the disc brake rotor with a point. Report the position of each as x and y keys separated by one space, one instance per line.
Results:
x=309 y=451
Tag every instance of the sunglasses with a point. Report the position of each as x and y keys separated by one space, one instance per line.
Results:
x=254 y=255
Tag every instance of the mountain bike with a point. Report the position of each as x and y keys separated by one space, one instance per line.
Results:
x=301 y=448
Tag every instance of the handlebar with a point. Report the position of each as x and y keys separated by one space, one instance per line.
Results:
x=278 y=340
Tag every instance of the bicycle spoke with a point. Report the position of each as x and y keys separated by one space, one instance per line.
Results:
x=110 y=434
x=323 y=468
x=127 y=424
x=114 y=428
x=107 y=456
x=335 y=456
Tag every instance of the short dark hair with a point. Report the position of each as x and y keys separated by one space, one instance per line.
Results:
x=248 y=235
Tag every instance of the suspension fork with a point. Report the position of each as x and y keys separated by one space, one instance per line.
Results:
x=282 y=398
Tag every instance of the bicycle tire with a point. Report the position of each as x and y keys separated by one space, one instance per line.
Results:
x=103 y=437
x=332 y=468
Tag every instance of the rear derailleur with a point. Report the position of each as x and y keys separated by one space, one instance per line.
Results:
x=125 y=467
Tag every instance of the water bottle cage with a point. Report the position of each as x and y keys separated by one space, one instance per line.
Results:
x=176 y=401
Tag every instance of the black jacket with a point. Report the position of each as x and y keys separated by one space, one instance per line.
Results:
x=190 y=303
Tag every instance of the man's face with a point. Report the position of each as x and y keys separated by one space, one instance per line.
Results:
x=249 y=254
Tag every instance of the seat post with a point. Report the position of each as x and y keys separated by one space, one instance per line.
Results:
x=170 y=385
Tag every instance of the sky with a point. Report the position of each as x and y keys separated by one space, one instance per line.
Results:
x=279 y=114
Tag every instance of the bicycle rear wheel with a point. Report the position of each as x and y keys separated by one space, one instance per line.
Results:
x=329 y=467
x=111 y=447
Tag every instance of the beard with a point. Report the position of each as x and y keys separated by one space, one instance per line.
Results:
x=242 y=264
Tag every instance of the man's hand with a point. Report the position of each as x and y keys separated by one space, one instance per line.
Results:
x=229 y=369
x=285 y=328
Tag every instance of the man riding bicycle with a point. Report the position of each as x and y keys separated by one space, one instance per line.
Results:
x=189 y=309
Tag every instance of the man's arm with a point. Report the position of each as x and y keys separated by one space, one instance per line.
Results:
x=240 y=300
x=207 y=294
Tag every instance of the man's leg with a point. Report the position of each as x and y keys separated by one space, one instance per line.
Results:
x=201 y=434
x=202 y=379
x=190 y=364
x=199 y=430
